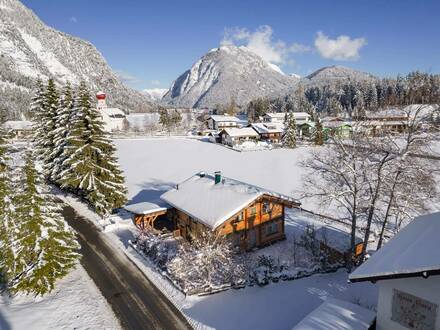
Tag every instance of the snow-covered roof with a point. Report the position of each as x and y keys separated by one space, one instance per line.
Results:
x=335 y=124
x=335 y=238
x=335 y=314
x=283 y=114
x=212 y=204
x=238 y=132
x=387 y=113
x=113 y=112
x=414 y=251
x=220 y=118
x=18 y=124
x=264 y=128
x=147 y=207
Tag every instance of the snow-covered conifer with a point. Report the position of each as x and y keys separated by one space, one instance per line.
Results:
x=91 y=168
x=7 y=224
x=45 y=246
x=319 y=133
x=289 y=137
x=59 y=136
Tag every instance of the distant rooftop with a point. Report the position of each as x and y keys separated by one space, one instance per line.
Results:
x=220 y=118
x=237 y=132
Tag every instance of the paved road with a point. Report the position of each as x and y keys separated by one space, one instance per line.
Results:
x=135 y=300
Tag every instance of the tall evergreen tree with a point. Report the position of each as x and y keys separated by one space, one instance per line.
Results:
x=7 y=224
x=63 y=119
x=319 y=133
x=289 y=137
x=45 y=247
x=92 y=169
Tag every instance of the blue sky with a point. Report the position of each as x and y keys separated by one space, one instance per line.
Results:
x=150 y=43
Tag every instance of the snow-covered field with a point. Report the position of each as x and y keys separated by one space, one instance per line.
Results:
x=152 y=166
x=75 y=303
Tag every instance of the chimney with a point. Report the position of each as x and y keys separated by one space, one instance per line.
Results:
x=218 y=177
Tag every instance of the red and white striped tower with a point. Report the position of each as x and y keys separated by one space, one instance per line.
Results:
x=101 y=100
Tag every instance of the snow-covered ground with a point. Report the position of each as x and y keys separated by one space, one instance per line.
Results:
x=152 y=166
x=75 y=303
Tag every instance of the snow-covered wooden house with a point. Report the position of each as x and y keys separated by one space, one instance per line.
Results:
x=278 y=117
x=407 y=271
x=219 y=122
x=235 y=136
x=270 y=132
x=385 y=121
x=249 y=215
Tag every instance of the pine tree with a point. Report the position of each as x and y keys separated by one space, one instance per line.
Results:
x=289 y=137
x=319 y=133
x=63 y=118
x=46 y=107
x=45 y=247
x=7 y=224
x=36 y=108
x=91 y=166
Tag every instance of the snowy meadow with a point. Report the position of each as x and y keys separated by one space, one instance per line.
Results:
x=152 y=166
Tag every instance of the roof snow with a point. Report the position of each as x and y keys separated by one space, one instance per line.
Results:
x=237 y=132
x=147 y=207
x=222 y=118
x=264 y=128
x=281 y=115
x=335 y=314
x=212 y=204
x=113 y=112
x=335 y=238
x=18 y=124
x=413 y=251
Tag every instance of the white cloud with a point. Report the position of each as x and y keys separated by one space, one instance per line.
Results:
x=260 y=42
x=127 y=77
x=342 y=48
x=73 y=19
x=155 y=82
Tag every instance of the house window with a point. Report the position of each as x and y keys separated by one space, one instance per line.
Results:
x=266 y=207
x=252 y=211
x=271 y=228
x=240 y=216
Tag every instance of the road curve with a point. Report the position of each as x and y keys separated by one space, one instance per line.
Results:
x=137 y=303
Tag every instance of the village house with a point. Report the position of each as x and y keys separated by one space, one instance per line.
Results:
x=19 y=129
x=278 y=117
x=113 y=118
x=336 y=126
x=235 y=136
x=407 y=271
x=385 y=121
x=219 y=122
x=249 y=215
x=270 y=132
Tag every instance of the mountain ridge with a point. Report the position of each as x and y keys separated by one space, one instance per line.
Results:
x=32 y=50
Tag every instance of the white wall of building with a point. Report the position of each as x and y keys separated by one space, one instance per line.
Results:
x=427 y=289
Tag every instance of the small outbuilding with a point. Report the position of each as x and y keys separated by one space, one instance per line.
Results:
x=20 y=129
x=407 y=271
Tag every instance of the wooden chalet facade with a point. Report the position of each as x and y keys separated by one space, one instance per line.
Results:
x=270 y=132
x=236 y=136
x=250 y=216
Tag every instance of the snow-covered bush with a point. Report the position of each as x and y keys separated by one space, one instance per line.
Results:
x=158 y=249
x=207 y=264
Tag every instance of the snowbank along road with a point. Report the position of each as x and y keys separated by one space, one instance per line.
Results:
x=135 y=300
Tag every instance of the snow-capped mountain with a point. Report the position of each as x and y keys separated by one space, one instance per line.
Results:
x=155 y=94
x=336 y=72
x=227 y=73
x=30 y=49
